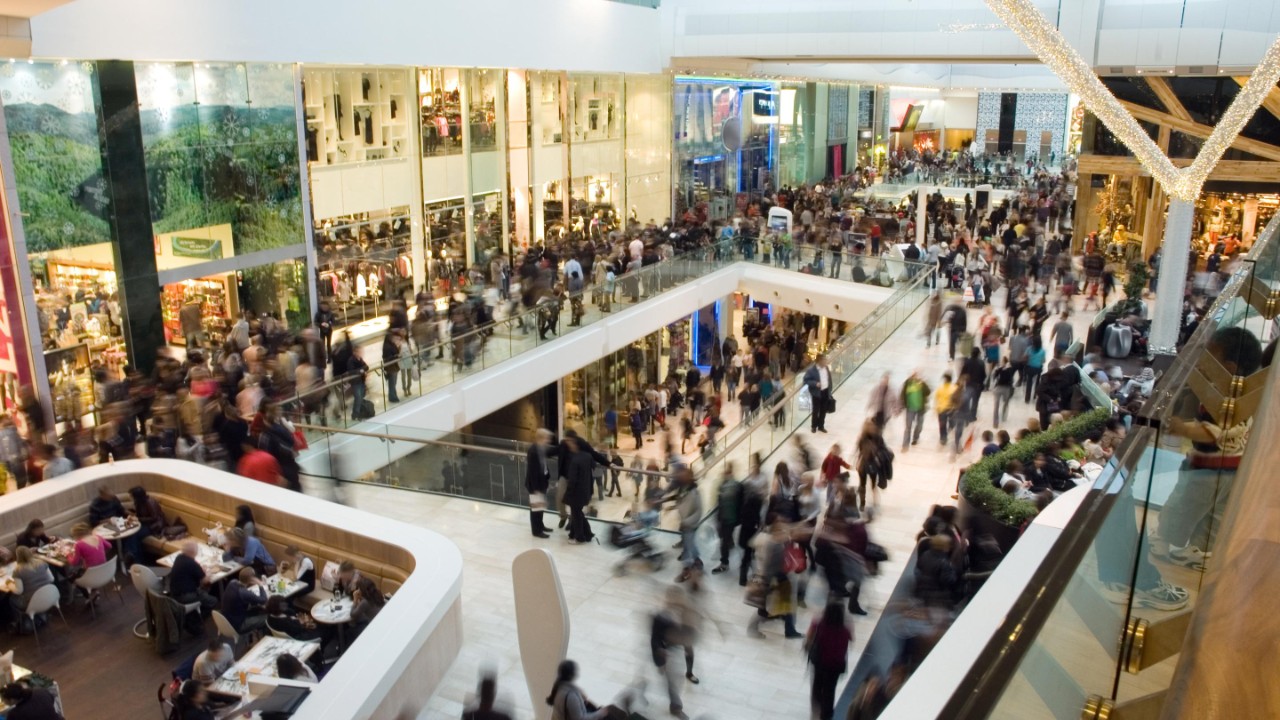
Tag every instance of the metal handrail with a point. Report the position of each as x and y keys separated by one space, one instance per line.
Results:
x=845 y=342
x=713 y=250
x=517 y=451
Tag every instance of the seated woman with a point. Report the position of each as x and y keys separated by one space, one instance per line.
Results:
x=281 y=618
x=368 y=603
x=34 y=536
x=90 y=550
x=298 y=567
x=250 y=552
x=29 y=575
x=289 y=667
x=244 y=520
x=149 y=512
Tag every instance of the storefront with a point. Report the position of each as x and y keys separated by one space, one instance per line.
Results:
x=725 y=139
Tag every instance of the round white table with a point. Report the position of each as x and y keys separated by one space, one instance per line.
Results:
x=334 y=611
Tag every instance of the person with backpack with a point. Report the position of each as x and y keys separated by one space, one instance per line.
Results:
x=729 y=500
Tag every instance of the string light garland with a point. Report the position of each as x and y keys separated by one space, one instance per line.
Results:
x=1043 y=38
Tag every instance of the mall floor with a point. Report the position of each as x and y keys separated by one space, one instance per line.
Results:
x=609 y=614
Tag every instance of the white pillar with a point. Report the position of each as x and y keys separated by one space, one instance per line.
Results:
x=922 y=197
x=1166 y=317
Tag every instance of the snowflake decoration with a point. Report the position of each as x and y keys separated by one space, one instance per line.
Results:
x=68 y=229
x=49 y=125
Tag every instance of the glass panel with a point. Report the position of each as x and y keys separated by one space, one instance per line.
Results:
x=57 y=164
x=648 y=149
x=440 y=106
x=485 y=101
x=221 y=150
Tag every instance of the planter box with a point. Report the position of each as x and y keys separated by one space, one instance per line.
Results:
x=979 y=522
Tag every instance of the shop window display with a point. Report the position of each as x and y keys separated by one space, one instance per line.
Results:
x=485 y=102
x=447 y=237
x=440 y=104
x=355 y=115
x=278 y=290
x=364 y=262
x=53 y=137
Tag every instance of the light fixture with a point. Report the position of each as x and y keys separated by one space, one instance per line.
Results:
x=1042 y=37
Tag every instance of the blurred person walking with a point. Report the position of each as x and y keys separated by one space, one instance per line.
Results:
x=827 y=647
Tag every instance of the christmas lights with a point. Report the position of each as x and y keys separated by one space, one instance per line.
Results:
x=1043 y=38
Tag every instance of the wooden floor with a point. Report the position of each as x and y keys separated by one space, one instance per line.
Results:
x=102 y=670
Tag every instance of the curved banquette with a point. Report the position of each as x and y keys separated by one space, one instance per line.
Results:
x=399 y=659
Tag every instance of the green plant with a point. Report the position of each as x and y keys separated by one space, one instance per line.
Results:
x=1139 y=274
x=977 y=485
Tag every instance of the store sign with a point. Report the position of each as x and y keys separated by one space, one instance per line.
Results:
x=203 y=248
x=764 y=104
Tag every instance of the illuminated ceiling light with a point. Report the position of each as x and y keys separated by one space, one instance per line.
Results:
x=1043 y=38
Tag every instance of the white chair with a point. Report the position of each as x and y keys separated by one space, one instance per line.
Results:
x=225 y=630
x=42 y=601
x=99 y=576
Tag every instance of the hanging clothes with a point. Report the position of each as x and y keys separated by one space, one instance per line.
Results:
x=362 y=286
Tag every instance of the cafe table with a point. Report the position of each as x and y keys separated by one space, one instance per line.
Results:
x=334 y=611
x=116 y=529
x=284 y=587
x=260 y=661
x=209 y=558
x=58 y=552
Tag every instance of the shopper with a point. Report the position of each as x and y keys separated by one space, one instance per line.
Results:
x=729 y=503
x=818 y=381
x=391 y=363
x=688 y=503
x=577 y=490
x=538 y=480
x=827 y=644
x=914 y=400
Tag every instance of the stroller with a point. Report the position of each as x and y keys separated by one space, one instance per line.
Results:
x=634 y=538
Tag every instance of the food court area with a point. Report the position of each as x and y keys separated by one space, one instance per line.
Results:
x=137 y=589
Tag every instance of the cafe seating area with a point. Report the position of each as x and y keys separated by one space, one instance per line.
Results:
x=389 y=669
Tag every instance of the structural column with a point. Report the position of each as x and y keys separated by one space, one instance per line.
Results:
x=125 y=175
x=922 y=200
x=1166 y=318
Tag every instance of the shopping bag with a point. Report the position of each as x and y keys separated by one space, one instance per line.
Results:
x=793 y=559
x=803 y=400
x=537 y=501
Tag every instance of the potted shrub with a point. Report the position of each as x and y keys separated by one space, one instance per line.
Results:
x=989 y=510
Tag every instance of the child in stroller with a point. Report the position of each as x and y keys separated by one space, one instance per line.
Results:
x=634 y=538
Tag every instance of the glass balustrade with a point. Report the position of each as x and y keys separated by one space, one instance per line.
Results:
x=1102 y=623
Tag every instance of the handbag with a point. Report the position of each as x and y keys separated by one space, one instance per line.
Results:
x=793 y=559
x=875 y=553
x=831 y=404
x=757 y=592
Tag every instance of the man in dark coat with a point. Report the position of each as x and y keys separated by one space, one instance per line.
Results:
x=578 y=489
x=537 y=480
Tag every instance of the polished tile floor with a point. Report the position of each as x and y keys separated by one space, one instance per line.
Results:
x=609 y=614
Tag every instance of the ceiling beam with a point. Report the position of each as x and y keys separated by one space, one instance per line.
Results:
x=1271 y=102
x=1161 y=88
x=1229 y=170
x=1261 y=149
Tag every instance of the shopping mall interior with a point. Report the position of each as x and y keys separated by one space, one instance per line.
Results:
x=637 y=359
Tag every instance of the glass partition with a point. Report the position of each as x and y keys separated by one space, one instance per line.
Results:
x=1115 y=590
